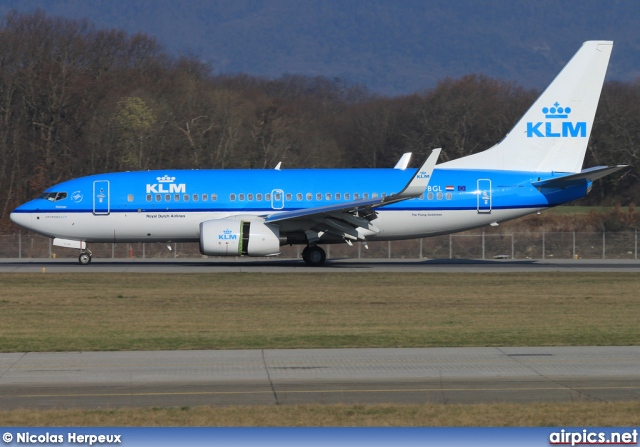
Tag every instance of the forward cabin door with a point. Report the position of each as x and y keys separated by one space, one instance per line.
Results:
x=101 y=198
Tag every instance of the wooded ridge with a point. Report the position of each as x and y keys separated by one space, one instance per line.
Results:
x=76 y=100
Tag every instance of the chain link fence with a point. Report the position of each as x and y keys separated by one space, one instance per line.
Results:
x=477 y=244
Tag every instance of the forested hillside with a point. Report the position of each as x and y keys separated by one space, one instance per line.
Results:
x=77 y=100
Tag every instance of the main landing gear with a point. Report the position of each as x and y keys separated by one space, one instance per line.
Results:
x=85 y=257
x=314 y=256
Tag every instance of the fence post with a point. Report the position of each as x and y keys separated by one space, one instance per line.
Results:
x=389 y=250
x=513 y=252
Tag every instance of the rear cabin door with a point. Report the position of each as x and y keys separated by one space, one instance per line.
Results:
x=484 y=196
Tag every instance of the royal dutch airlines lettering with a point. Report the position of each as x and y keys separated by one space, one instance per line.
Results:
x=254 y=212
x=557 y=128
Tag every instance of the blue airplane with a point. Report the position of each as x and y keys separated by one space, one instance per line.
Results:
x=254 y=212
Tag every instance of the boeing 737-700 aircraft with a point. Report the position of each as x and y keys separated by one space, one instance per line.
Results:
x=254 y=212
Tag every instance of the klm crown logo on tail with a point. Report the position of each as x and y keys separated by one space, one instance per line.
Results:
x=554 y=128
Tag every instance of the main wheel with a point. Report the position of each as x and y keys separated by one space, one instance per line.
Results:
x=84 y=258
x=314 y=256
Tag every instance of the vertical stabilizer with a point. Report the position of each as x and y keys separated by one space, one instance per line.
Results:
x=554 y=133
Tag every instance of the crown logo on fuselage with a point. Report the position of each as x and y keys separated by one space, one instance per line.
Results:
x=161 y=186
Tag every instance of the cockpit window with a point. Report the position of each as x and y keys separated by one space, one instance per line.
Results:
x=54 y=196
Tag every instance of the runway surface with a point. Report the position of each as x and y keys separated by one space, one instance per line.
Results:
x=283 y=377
x=283 y=265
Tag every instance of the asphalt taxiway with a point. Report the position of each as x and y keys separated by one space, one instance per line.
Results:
x=283 y=265
x=281 y=377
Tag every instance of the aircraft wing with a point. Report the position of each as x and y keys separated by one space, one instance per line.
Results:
x=590 y=175
x=343 y=218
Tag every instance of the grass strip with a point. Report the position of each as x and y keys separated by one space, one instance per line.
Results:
x=101 y=312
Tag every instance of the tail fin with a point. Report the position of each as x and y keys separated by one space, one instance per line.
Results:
x=553 y=134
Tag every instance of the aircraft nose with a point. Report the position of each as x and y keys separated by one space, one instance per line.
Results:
x=22 y=219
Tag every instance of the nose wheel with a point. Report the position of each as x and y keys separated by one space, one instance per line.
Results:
x=84 y=258
x=314 y=256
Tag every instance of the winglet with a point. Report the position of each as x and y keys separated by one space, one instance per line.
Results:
x=420 y=181
x=403 y=162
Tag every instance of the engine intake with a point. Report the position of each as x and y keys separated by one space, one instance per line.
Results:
x=238 y=237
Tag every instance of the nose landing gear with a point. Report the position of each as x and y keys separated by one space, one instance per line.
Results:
x=85 y=257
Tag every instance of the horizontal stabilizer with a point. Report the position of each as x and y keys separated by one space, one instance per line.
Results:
x=589 y=175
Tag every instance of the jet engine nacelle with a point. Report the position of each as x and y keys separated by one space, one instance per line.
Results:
x=237 y=237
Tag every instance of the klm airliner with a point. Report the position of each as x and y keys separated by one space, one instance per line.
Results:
x=254 y=212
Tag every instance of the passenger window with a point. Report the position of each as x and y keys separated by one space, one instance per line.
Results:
x=186 y=197
x=327 y=196
x=130 y=198
x=347 y=196
x=214 y=197
x=365 y=195
x=259 y=197
x=232 y=197
x=289 y=197
x=430 y=196
x=318 y=196
x=167 y=197
x=249 y=196
x=337 y=196
x=299 y=197
x=356 y=196
x=374 y=195
x=158 y=197
x=241 y=197
x=196 y=197
x=267 y=197
x=149 y=197
x=309 y=196
x=205 y=197
x=176 y=197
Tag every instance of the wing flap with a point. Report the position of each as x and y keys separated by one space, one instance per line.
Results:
x=414 y=188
